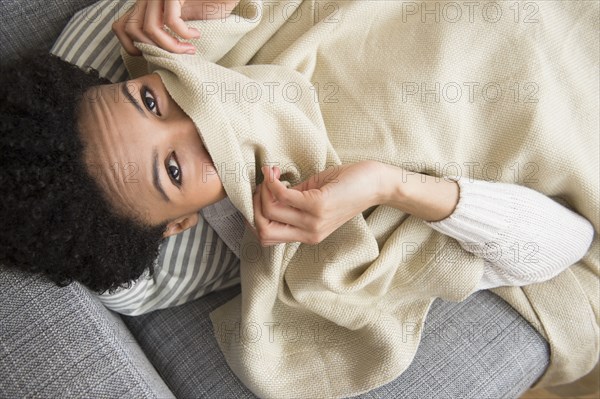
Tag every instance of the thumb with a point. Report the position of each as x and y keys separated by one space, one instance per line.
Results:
x=271 y=179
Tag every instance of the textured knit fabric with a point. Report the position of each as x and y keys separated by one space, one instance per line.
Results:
x=63 y=343
x=478 y=348
x=370 y=287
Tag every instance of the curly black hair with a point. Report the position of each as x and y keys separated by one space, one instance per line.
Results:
x=56 y=219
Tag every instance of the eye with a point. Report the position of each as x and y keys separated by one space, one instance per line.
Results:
x=173 y=169
x=150 y=101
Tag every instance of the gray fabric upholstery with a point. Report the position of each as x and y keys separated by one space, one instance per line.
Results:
x=33 y=24
x=62 y=342
x=479 y=348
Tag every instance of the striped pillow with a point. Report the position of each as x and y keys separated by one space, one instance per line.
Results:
x=192 y=263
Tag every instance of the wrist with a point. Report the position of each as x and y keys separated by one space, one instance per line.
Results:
x=373 y=180
x=393 y=190
x=427 y=197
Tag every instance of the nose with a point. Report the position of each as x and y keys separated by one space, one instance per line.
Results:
x=180 y=127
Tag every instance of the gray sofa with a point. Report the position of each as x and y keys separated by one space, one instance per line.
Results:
x=62 y=342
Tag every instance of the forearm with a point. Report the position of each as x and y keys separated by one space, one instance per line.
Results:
x=429 y=198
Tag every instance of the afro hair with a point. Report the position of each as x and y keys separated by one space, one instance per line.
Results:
x=56 y=219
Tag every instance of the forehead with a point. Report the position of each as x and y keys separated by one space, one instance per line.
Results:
x=115 y=152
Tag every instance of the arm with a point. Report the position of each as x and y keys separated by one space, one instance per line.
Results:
x=523 y=236
x=318 y=206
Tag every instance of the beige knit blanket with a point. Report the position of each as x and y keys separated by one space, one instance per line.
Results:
x=502 y=91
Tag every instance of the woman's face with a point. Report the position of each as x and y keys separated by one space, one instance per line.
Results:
x=147 y=154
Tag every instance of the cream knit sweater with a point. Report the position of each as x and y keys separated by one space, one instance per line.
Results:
x=307 y=85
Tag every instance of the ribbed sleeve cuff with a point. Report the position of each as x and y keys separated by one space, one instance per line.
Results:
x=480 y=213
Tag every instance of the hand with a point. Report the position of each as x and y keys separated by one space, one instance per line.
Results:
x=146 y=20
x=312 y=210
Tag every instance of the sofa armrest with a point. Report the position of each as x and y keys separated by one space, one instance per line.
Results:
x=62 y=342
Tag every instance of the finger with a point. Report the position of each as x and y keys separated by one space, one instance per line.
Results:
x=195 y=10
x=262 y=224
x=278 y=212
x=135 y=25
x=129 y=26
x=208 y=10
x=276 y=172
x=154 y=29
x=297 y=199
x=272 y=232
x=259 y=219
x=173 y=19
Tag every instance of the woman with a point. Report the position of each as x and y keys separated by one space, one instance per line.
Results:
x=121 y=133
x=172 y=178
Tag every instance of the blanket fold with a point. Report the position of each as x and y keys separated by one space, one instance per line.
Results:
x=312 y=88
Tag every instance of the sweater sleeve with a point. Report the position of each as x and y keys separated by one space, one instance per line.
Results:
x=523 y=236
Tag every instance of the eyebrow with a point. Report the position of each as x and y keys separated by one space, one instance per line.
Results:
x=155 y=176
x=136 y=104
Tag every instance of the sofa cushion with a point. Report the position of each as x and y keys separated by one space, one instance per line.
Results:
x=62 y=342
